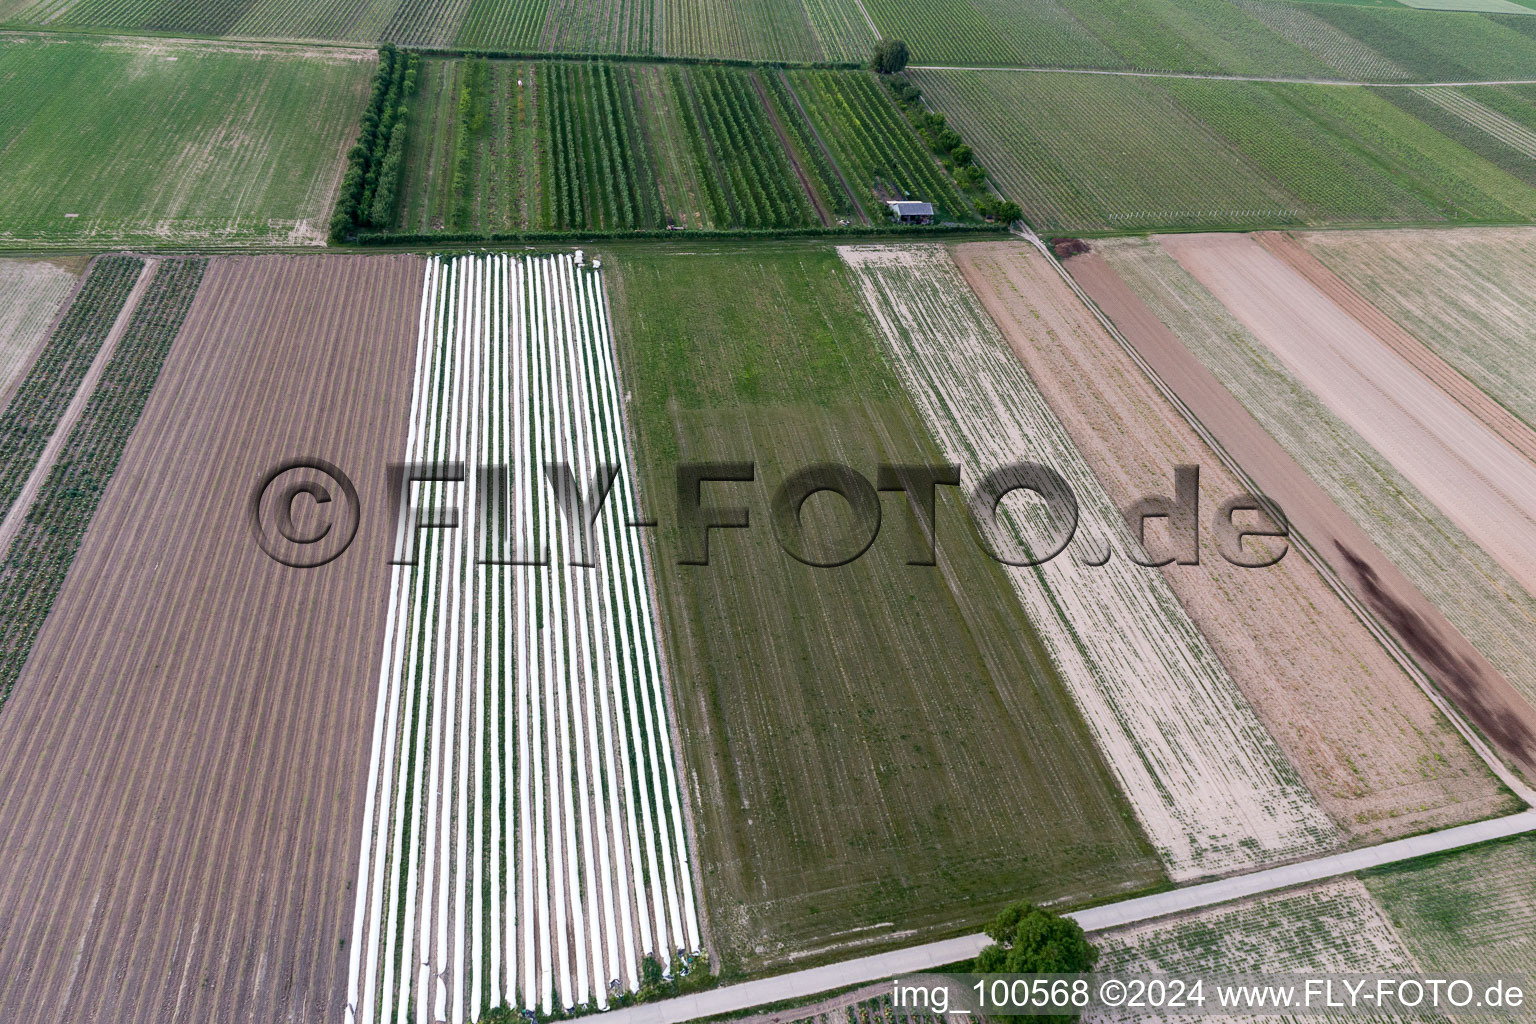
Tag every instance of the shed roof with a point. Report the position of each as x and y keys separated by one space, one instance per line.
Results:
x=910 y=209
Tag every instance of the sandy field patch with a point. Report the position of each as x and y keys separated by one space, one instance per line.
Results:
x=1510 y=428
x=1469 y=294
x=1476 y=479
x=1370 y=746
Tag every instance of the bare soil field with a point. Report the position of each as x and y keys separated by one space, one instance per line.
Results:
x=1369 y=745
x=1467 y=294
x=1461 y=669
x=1485 y=487
x=1510 y=428
x=182 y=762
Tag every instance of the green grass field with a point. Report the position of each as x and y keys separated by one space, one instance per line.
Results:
x=872 y=748
x=789 y=30
x=128 y=143
x=1250 y=37
x=562 y=146
x=1096 y=155
x=1472 y=911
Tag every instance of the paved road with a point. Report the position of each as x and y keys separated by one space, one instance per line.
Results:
x=1218 y=78
x=914 y=959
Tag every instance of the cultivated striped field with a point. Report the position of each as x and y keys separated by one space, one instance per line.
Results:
x=523 y=835
x=1207 y=781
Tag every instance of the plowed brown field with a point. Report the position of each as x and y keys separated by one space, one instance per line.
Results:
x=1461 y=671
x=1369 y=745
x=183 y=759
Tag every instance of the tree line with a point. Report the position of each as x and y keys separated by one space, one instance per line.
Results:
x=370 y=188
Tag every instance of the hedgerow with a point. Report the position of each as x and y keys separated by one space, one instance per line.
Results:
x=367 y=162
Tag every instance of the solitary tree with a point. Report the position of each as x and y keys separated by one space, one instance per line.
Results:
x=890 y=56
x=1032 y=940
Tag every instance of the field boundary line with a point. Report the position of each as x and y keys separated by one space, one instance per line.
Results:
x=1204 y=77
x=1409 y=665
x=913 y=959
x=50 y=453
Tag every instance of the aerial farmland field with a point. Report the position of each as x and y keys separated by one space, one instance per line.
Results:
x=499 y=717
x=221 y=166
x=1250 y=154
x=1478 y=597
x=1480 y=482
x=784 y=674
x=1143 y=675
x=1470 y=910
x=1336 y=927
x=31 y=294
x=1462 y=293
x=565 y=146
x=270 y=673
x=1373 y=750
x=705 y=511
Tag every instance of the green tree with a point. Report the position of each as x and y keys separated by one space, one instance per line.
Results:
x=891 y=56
x=1032 y=940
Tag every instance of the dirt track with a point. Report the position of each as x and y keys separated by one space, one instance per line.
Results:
x=1487 y=699
x=183 y=759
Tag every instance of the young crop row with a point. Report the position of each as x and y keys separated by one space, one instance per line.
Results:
x=756 y=185
x=516 y=25
x=29 y=419
x=808 y=148
x=42 y=550
x=873 y=143
x=764 y=30
x=1210 y=786
x=598 y=169
x=1094 y=155
x=501 y=147
x=365 y=21
x=193 y=17
x=523 y=838
x=31 y=294
x=1338 y=49
x=602 y=26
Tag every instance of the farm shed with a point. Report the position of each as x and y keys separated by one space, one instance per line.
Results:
x=910 y=213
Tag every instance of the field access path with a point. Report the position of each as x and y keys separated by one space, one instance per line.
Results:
x=914 y=959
